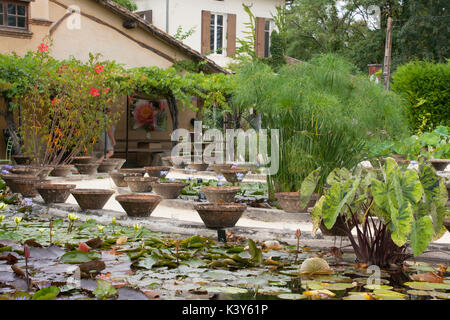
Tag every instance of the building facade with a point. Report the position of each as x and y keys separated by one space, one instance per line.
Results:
x=216 y=24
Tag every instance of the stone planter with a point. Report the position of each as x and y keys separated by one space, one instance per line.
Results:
x=27 y=187
x=179 y=162
x=199 y=166
x=218 y=167
x=439 y=164
x=118 y=178
x=220 y=215
x=447 y=224
x=92 y=199
x=168 y=190
x=231 y=175
x=290 y=201
x=107 y=166
x=220 y=194
x=62 y=170
x=87 y=169
x=45 y=171
x=119 y=162
x=22 y=159
x=140 y=184
x=9 y=180
x=54 y=193
x=83 y=160
x=140 y=171
x=28 y=170
x=156 y=171
x=138 y=205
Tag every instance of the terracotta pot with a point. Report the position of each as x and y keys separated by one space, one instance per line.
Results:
x=220 y=194
x=231 y=175
x=140 y=184
x=83 y=160
x=168 y=190
x=92 y=199
x=439 y=164
x=166 y=161
x=138 y=205
x=28 y=170
x=107 y=166
x=27 y=187
x=179 y=162
x=9 y=180
x=447 y=224
x=62 y=170
x=119 y=177
x=218 y=167
x=156 y=171
x=336 y=231
x=54 y=193
x=220 y=215
x=22 y=159
x=290 y=201
x=87 y=169
x=140 y=171
x=119 y=162
x=199 y=166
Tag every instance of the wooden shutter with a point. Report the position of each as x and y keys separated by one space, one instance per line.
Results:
x=206 y=35
x=259 y=45
x=231 y=35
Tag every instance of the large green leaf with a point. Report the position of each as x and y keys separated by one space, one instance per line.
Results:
x=401 y=224
x=78 y=256
x=380 y=194
x=421 y=235
x=338 y=175
x=255 y=252
x=308 y=186
x=105 y=290
x=411 y=187
x=430 y=183
x=335 y=200
x=47 y=293
x=316 y=215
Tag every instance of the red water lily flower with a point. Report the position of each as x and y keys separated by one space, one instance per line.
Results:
x=43 y=47
x=26 y=251
x=99 y=68
x=94 y=92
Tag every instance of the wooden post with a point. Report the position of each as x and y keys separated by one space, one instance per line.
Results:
x=387 y=55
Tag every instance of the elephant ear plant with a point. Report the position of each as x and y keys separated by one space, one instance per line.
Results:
x=391 y=210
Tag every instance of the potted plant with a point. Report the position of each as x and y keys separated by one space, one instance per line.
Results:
x=87 y=168
x=220 y=215
x=138 y=205
x=234 y=175
x=140 y=184
x=220 y=193
x=54 y=193
x=119 y=177
x=92 y=199
x=168 y=189
x=156 y=171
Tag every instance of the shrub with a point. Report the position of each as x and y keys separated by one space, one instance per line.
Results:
x=425 y=85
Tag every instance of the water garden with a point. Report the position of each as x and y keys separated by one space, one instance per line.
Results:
x=348 y=163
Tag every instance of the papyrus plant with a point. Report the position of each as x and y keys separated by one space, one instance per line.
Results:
x=65 y=112
x=391 y=210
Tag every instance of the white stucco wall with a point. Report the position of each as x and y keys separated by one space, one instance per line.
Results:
x=187 y=14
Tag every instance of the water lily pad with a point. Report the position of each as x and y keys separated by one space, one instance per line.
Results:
x=79 y=256
x=427 y=285
x=292 y=296
x=359 y=296
x=230 y=290
x=47 y=293
x=315 y=266
x=377 y=287
x=389 y=295
x=219 y=275
x=273 y=290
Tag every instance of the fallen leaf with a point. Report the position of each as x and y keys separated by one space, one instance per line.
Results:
x=427 y=277
x=84 y=247
x=121 y=240
x=95 y=243
x=10 y=258
x=152 y=294
x=32 y=243
x=17 y=270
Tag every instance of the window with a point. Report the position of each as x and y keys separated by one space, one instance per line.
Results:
x=216 y=33
x=267 y=38
x=13 y=14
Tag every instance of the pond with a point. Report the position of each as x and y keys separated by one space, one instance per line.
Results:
x=84 y=260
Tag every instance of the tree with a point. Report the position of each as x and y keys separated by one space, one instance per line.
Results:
x=129 y=4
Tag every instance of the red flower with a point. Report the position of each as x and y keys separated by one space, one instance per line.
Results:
x=98 y=69
x=26 y=251
x=106 y=91
x=94 y=92
x=43 y=47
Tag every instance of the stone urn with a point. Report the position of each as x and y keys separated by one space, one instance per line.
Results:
x=179 y=162
x=22 y=159
x=10 y=177
x=234 y=175
x=119 y=162
x=439 y=164
x=199 y=166
x=220 y=215
x=220 y=194
x=218 y=167
x=83 y=160
x=62 y=170
x=45 y=171
x=140 y=171
x=290 y=201
x=92 y=199
x=28 y=170
x=54 y=193
x=140 y=184
x=107 y=166
x=27 y=187
x=87 y=169
x=119 y=178
x=168 y=190
x=447 y=224
x=138 y=205
x=156 y=170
